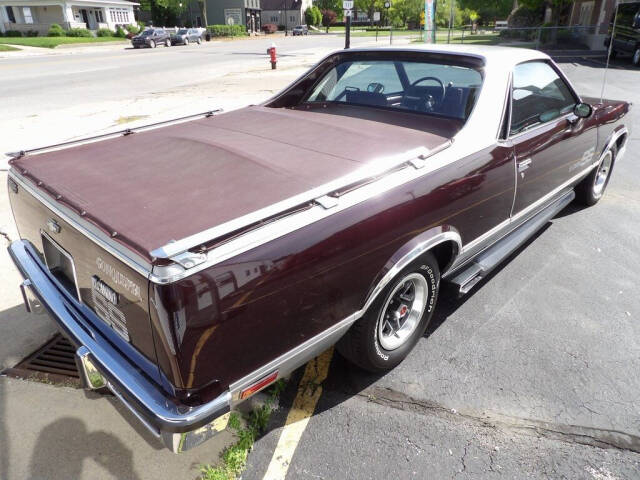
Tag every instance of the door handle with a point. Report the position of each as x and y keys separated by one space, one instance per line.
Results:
x=523 y=165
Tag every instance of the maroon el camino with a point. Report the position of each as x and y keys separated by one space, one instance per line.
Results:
x=195 y=263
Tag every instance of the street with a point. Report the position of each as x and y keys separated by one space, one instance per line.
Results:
x=534 y=374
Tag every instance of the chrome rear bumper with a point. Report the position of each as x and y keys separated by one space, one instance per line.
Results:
x=101 y=365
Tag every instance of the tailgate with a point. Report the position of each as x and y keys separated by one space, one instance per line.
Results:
x=117 y=293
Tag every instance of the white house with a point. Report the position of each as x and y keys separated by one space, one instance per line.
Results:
x=38 y=15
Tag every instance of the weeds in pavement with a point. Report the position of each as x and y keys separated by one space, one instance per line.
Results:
x=234 y=458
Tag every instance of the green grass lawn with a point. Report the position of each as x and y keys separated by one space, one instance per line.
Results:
x=7 y=48
x=53 y=42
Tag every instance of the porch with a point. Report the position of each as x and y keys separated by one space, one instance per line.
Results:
x=39 y=15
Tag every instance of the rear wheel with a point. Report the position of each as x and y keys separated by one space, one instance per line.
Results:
x=167 y=43
x=396 y=320
x=199 y=41
x=636 y=57
x=591 y=189
x=186 y=42
x=152 y=44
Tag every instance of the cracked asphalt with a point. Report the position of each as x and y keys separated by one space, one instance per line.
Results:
x=532 y=375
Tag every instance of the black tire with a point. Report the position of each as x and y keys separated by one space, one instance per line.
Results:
x=635 y=59
x=167 y=43
x=152 y=44
x=363 y=344
x=590 y=190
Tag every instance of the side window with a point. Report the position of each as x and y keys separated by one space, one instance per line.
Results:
x=538 y=95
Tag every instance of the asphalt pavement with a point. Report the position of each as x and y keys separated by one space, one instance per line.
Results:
x=532 y=375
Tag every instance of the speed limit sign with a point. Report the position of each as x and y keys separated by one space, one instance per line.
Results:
x=347 y=4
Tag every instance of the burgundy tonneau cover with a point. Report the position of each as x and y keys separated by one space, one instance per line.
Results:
x=165 y=184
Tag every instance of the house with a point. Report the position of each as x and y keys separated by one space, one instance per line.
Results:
x=596 y=14
x=235 y=12
x=287 y=13
x=39 y=15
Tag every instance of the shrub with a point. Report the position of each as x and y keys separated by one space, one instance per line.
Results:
x=105 y=32
x=78 y=32
x=227 y=30
x=526 y=17
x=120 y=32
x=55 y=30
x=13 y=33
x=31 y=33
x=269 y=28
x=132 y=28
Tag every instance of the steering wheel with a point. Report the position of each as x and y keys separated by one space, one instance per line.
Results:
x=429 y=101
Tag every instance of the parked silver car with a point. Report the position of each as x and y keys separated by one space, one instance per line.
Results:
x=184 y=36
x=300 y=30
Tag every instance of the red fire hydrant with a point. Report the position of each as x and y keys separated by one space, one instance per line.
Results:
x=272 y=53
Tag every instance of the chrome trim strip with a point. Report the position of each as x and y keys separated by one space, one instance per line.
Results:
x=522 y=213
x=296 y=357
x=372 y=169
x=89 y=230
x=409 y=257
x=293 y=222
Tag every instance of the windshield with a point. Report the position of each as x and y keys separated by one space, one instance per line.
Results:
x=146 y=33
x=182 y=32
x=426 y=87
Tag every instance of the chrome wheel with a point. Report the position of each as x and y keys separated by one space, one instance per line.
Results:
x=604 y=169
x=402 y=311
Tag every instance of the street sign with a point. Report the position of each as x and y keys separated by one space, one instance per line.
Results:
x=376 y=16
x=347 y=4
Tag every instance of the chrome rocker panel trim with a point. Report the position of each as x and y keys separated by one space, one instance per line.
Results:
x=160 y=413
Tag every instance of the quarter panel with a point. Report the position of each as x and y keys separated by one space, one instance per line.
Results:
x=226 y=321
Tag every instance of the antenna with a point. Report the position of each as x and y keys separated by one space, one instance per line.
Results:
x=606 y=68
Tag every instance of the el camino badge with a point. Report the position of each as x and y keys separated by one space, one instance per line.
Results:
x=105 y=290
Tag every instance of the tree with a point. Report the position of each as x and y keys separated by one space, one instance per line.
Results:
x=488 y=10
x=407 y=11
x=328 y=18
x=309 y=16
x=334 y=5
x=317 y=15
x=558 y=7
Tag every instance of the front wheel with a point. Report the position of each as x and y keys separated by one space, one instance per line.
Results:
x=590 y=190
x=167 y=43
x=396 y=320
x=636 y=57
x=152 y=44
x=199 y=40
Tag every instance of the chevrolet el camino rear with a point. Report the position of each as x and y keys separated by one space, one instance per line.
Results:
x=194 y=264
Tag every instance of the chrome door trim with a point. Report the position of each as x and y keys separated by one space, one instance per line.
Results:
x=480 y=243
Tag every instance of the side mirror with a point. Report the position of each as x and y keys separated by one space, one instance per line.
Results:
x=583 y=110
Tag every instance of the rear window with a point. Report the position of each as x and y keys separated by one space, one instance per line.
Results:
x=424 y=87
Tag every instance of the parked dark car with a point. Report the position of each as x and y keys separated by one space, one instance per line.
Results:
x=626 y=38
x=187 y=286
x=300 y=30
x=184 y=36
x=151 y=37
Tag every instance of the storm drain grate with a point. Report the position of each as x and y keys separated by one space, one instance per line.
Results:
x=54 y=362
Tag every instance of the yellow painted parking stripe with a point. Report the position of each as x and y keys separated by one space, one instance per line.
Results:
x=309 y=391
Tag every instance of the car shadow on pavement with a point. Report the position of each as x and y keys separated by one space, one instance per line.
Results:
x=68 y=438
